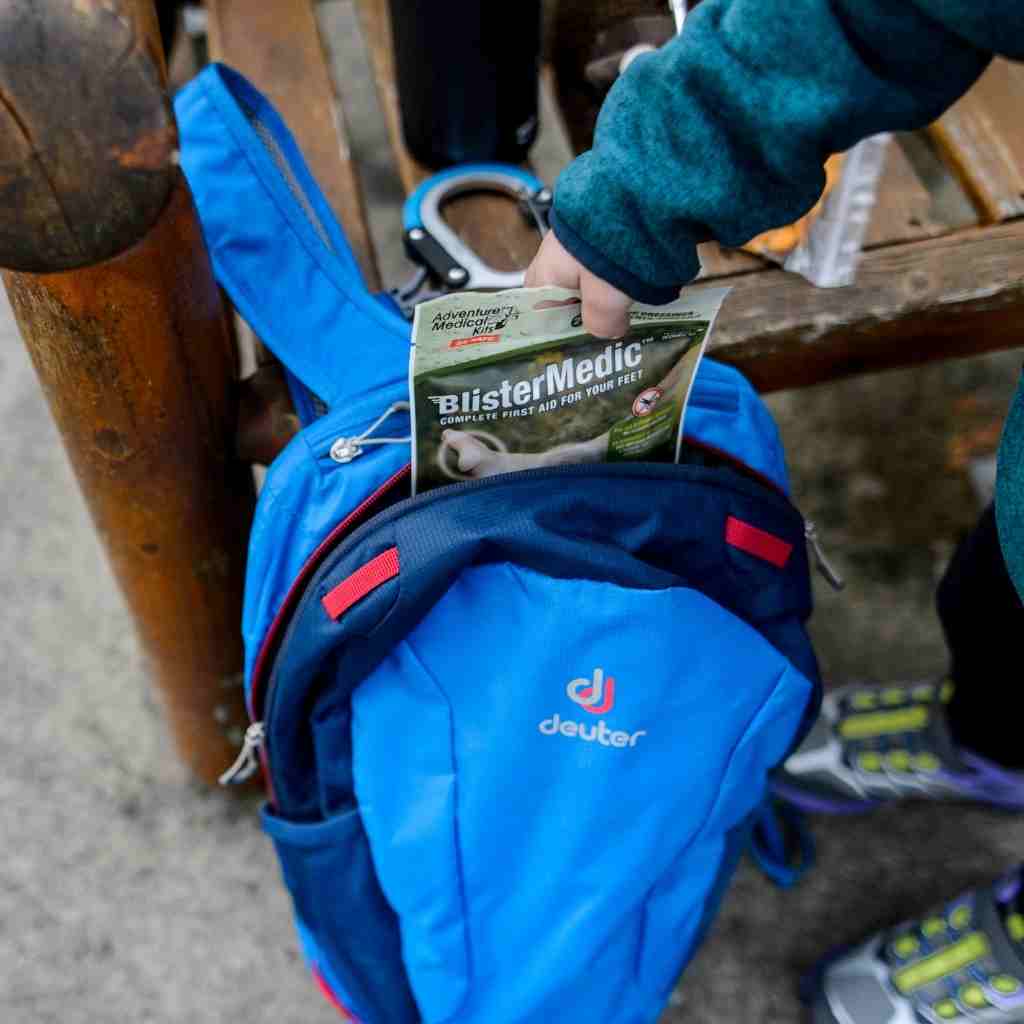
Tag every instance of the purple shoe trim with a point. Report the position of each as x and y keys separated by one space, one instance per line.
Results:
x=988 y=783
x=1007 y=1003
x=1007 y=888
x=814 y=803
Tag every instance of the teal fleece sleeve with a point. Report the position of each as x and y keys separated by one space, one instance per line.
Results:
x=724 y=132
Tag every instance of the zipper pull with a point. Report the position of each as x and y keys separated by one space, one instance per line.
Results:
x=820 y=558
x=248 y=761
x=345 y=449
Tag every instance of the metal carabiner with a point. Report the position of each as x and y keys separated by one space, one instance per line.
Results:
x=446 y=261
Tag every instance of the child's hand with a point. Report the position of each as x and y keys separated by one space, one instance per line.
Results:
x=605 y=309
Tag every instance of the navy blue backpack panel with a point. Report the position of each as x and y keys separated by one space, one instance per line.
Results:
x=514 y=730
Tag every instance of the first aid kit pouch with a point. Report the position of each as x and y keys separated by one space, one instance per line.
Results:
x=514 y=730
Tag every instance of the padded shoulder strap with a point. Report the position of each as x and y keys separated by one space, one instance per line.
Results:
x=277 y=248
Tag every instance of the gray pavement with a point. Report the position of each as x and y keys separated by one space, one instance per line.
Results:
x=128 y=895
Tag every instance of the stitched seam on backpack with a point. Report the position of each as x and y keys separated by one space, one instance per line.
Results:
x=786 y=668
x=460 y=876
x=701 y=830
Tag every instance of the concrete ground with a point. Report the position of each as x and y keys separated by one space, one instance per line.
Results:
x=129 y=895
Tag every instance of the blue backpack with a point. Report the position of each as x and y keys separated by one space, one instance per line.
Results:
x=514 y=731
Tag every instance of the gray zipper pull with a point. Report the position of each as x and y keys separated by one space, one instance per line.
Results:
x=248 y=761
x=820 y=559
x=345 y=449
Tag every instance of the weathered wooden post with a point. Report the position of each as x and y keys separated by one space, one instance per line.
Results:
x=113 y=292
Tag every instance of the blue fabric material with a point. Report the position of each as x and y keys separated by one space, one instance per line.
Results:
x=419 y=771
x=782 y=844
x=625 y=280
x=305 y=493
x=724 y=412
x=1010 y=491
x=544 y=579
x=365 y=965
x=617 y=523
x=723 y=133
x=277 y=249
x=266 y=252
x=595 y=843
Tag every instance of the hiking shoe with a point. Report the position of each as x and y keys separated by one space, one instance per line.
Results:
x=878 y=743
x=963 y=962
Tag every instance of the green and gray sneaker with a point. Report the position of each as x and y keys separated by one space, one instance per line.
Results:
x=879 y=743
x=963 y=962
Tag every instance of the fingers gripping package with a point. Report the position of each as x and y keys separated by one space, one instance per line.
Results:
x=498 y=791
x=511 y=381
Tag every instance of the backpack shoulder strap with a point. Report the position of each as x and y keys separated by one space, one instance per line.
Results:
x=276 y=246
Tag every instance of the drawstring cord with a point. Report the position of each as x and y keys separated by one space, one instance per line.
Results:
x=345 y=449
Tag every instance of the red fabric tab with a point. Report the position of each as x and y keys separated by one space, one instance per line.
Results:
x=757 y=542
x=372 y=575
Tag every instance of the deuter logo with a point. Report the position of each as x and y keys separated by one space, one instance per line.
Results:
x=588 y=693
x=597 y=696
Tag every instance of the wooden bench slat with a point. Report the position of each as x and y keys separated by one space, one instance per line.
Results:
x=903 y=204
x=982 y=139
x=717 y=261
x=277 y=44
x=955 y=296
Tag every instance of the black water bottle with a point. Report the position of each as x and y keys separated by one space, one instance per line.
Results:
x=467 y=78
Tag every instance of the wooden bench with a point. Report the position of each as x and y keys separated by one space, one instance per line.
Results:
x=114 y=294
x=926 y=289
